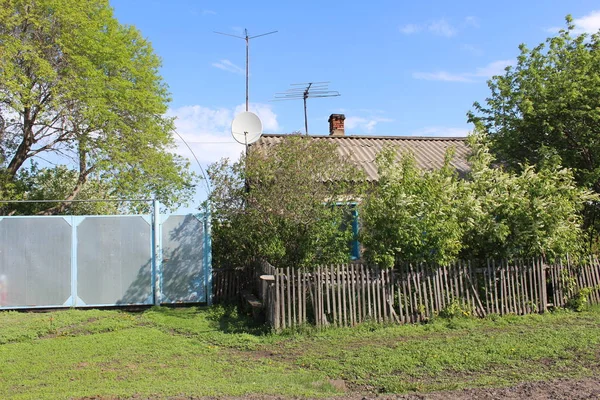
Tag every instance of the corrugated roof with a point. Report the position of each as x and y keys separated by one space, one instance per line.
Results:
x=429 y=152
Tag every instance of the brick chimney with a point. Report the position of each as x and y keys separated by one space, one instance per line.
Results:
x=336 y=124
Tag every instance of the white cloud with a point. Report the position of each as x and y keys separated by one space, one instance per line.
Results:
x=476 y=51
x=441 y=76
x=410 y=28
x=441 y=131
x=441 y=27
x=208 y=12
x=589 y=23
x=493 y=68
x=365 y=125
x=208 y=131
x=227 y=65
x=472 y=21
x=264 y=112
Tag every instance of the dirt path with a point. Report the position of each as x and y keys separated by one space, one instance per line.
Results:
x=559 y=389
x=563 y=389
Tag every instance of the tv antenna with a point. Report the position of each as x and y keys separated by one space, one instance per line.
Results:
x=246 y=128
x=306 y=91
x=247 y=39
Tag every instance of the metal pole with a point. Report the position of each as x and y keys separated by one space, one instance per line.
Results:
x=156 y=254
x=247 y=39
x=208 y=257
x=247 y=66
x=305 y=117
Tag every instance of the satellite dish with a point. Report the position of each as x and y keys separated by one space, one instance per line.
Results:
x=246 y=128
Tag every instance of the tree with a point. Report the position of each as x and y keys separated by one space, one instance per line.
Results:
x=433 y=216
x=530 y=213
x=548 y=104
x=78 y=88
x=287 y=203
x=412 y=215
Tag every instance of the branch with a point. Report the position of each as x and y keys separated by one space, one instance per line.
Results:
x=59 y=208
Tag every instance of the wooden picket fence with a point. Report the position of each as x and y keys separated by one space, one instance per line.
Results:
x=228 y=283
x=349 y=294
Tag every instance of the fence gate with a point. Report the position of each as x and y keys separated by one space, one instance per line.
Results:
x=79 y=261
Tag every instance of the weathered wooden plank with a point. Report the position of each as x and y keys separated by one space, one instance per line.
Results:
x=378 y=295
x=277 y=301
x=504 y=289
x=431 y=295
x=344 y=305
x=422 y=279
x=543 y=285
x=363 y=309
x=454 y=273
x=513 y=289
x=439 y=287
x=368 y=290
x=409 y=292
x=353 y=303
x=460 y=271
x=498 y=306
x=488 y=288
x=523 y=281
x=288 y=296
x=480 y=309
x=445 y=285
x=596 y=277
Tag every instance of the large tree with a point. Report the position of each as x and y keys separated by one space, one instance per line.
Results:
x=80 y=89
x=549 y=104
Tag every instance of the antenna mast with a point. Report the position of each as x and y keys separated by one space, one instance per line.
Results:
x=247 y=39
x=306 y=91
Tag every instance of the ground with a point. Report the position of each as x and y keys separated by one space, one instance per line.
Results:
x=193 y=353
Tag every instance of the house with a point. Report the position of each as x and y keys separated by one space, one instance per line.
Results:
x=429 y=152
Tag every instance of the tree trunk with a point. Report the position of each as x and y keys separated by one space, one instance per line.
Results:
x=25 y=145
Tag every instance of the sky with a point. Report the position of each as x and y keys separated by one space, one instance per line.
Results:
x=401 y=68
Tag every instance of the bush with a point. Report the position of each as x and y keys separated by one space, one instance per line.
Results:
x=286 y=204
x=434 y=216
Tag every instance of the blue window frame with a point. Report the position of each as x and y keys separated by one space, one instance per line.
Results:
x=355 y=245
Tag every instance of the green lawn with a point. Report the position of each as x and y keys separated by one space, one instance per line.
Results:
x=212 y=352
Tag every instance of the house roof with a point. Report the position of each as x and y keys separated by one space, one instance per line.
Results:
x=429 y=152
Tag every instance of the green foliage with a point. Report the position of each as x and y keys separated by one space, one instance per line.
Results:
x=436 y=217
x=57 y=183
x=548 y=104
x=534 y=212
x=456 y=309
x=411 y=214
x=287 y=204
x=78 y=86
x=579 y=301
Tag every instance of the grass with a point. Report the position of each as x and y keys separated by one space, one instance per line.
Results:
x=197 y=352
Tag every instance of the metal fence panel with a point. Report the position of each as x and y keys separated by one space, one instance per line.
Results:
x=183 y=270
x=35 y=261
x=114 y=260
x=104 y=260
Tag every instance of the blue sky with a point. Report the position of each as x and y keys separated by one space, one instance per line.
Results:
x=402 y=68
